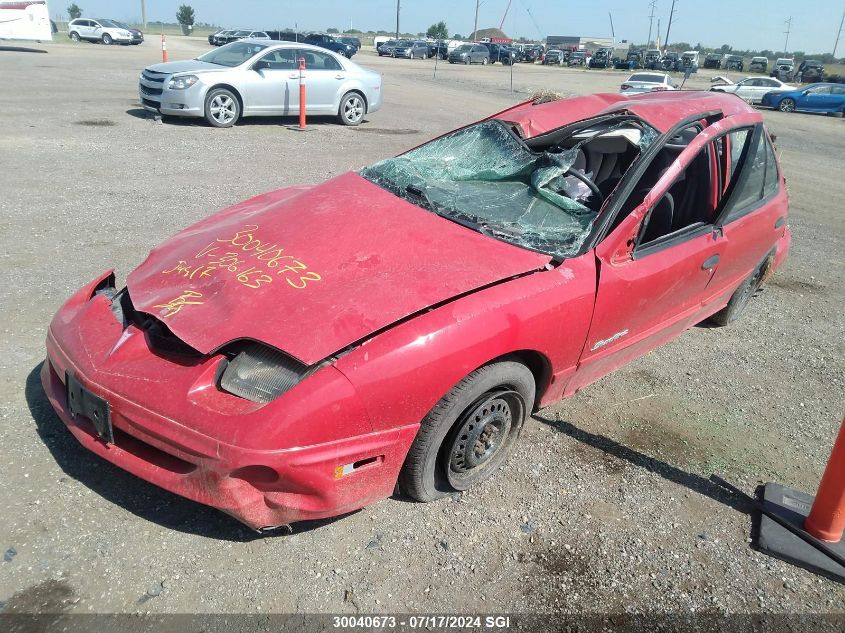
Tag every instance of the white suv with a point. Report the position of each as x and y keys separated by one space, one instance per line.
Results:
x=105 y=31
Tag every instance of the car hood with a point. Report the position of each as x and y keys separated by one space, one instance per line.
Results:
x=187 y=65
x=312 y=270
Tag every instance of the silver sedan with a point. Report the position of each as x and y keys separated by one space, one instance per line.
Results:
x=260 y=78
x=647 y=82
x=752 y=89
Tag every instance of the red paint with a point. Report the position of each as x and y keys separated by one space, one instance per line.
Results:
x=301 y=93
x=163 y=49
x=399 y=303
x=827 y=517
x=379 y=259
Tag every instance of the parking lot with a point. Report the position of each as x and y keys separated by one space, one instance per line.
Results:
x=604 y=507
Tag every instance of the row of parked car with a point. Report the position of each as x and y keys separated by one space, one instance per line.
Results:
x=343 y=45
x=470 y=53
x=768 y=92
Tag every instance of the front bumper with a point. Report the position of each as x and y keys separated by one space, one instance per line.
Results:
x=259 y=488
x=293 y=473
x=157 y=97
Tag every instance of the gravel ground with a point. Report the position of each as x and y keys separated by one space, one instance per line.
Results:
x=604 y=507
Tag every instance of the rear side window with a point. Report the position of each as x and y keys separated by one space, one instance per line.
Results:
x=757 y=181
x=315 y=60
x=771 y=181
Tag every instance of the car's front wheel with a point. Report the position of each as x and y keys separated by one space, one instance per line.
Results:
x=107 y=39
x=222 y=108
x=470 y=432
x=787 y=105
x=352 y=109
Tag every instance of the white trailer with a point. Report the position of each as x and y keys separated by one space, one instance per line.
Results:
x=25 y=20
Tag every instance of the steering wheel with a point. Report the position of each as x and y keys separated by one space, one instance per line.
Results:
x=583 y=178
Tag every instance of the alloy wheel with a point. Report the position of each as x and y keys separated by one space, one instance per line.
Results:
x=223 y=109
x=353 y=109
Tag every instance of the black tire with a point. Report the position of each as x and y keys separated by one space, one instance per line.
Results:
x=107 y=40
x=74 y=36
x=500 y=396
x=352 y=109
x=787 y=105
x=222 y=107
x=484 y=61
x=742 y=296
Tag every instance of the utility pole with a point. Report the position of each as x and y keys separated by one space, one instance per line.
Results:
x=669 y=26
x=838 y=34
x=144 y=14
x=788 y=29
x=397 y=18
x=612 y=32
x=475 y=28
x=657 y=38
x=652 y=4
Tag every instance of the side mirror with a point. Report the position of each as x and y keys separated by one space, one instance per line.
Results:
x=261 y=64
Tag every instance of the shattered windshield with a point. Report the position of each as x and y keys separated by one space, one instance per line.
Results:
x=486 y=178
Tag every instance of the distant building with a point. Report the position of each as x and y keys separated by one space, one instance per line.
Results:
x=578 y=43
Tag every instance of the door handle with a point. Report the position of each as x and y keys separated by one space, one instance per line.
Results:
x=710 y=262
x=340 y=76
x=293 y=76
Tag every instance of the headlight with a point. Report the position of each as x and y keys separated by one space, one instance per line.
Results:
x=261 y=374
x=181 y=83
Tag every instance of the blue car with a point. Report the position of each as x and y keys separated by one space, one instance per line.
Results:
x=828 y=98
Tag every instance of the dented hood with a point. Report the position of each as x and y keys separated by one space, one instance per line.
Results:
x=313 y=270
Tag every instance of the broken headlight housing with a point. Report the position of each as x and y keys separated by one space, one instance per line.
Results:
x=261 y=374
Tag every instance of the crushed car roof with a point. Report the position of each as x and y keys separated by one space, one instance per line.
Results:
x=662 y=110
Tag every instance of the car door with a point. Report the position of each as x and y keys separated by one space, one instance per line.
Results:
x=272 y=84
x=324 y=79
x=754 y=211
x=837 y=97
x=95 y=30
x=745 y=89
x=657 y=266
x=816 y=99
x=762 y=87
x=86 y=29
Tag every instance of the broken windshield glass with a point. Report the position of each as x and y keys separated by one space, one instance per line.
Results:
x=485 y=177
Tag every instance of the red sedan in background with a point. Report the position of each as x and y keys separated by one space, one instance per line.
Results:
x=295 y=356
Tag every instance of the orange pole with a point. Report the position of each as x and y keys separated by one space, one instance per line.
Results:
x=163 y=48
x=827 y=517
x=301 y=93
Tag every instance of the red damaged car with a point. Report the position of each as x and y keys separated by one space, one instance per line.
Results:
x=299 y=354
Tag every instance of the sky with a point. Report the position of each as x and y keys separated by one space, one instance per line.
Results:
x=744 y=24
